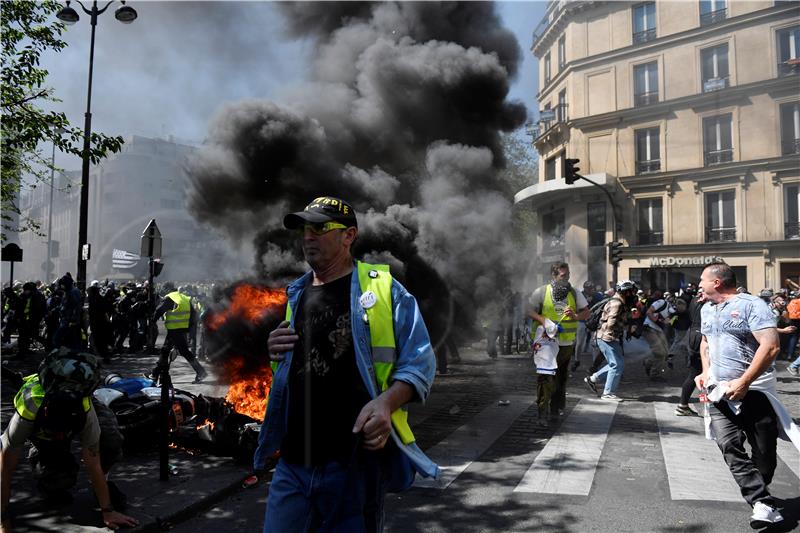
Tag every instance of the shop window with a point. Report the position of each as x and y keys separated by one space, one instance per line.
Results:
x=720 y=216
x=790 y=128
x=717 y=141
x=715 y=72
x=791 y=212
x=645 y=84
x=648 y=157
x=650 y=218
x=712 y=11
x=789 y=51
x=553 y=231
x=644 y=22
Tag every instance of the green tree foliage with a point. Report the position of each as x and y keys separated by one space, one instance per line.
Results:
x=27 y=30
x=521 y=171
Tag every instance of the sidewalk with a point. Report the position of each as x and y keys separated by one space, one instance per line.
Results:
x=198 y=481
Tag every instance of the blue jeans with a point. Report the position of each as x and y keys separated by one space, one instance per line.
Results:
x=612 y=351
x=331 y=498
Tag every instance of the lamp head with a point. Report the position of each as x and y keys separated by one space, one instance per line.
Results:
x=125 y=14
x=68 y=16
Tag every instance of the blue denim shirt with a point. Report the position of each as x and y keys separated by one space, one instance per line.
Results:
x=416 y=365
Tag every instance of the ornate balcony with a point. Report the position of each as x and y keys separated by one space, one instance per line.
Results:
x=721 y=234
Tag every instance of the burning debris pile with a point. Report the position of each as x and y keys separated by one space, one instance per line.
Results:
x=237 y=335
x=402 y=118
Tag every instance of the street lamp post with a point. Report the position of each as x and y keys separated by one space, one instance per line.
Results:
x=68 y=15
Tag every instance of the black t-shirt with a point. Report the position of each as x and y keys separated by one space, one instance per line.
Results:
x=326 y=391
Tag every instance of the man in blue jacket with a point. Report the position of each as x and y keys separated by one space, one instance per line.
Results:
x=352 y=353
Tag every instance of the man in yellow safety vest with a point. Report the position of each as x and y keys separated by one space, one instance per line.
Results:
x=179 y=314
x=558 y=307
x=353 y=352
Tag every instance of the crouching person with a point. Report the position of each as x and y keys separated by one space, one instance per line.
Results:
x=52 y=408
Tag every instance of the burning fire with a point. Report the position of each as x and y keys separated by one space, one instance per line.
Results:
x=248 y=302
x=249 y=395
x=250 y=378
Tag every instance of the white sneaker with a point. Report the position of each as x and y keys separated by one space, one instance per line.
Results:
x=764 y=515
x=611 y=397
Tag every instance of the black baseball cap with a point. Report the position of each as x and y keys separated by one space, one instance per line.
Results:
x=323 y=209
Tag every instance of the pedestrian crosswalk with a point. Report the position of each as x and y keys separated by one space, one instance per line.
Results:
x=570 y=459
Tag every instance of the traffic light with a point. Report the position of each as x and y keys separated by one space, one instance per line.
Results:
x=614 y=252
x=571 y=171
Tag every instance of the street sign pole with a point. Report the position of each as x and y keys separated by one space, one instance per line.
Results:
x=12 y=253
x=151 y=247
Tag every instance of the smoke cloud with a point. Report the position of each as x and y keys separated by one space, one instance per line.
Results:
x=403 y=119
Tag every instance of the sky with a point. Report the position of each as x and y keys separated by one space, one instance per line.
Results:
x=168 y=72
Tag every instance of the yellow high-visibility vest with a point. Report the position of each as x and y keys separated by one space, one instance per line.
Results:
x=178 y=318
x=377 y=278
x=569 y=325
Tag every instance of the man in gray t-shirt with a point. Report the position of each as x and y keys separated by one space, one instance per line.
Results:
x=739 y=345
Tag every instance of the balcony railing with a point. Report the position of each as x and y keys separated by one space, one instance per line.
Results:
x=713 y=16
x=791 y=230
x=715 y=84
x=645 y=167
x=721 y=234
x=643 y=99
x=651 y=237
x=559 y=115
x=644 y=36
x=791 y=147
x=716 y=157
x=789 y=67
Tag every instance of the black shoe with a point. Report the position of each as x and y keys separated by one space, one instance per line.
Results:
x=118 y=499
x=591 y=384
x=200 y=377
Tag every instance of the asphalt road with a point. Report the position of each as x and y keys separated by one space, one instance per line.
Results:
x=608 y=468
x=634 y=485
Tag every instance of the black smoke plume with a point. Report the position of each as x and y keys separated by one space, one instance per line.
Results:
x=403 y=119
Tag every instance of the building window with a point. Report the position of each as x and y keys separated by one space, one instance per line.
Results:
x=651 y=224
x=791 y=224
x=789 y=51
x=644 y=22
x=790 y=128
x=712 y=11
x=546 y=117
x=645 y=84
x=596 y=223
x=553 y=230
x=550 y=168
x=562 y=53
x=648 y=158
x=720 y=216
x=714 y=62
x=547 y=68
x=561 y=109
x=717 y=143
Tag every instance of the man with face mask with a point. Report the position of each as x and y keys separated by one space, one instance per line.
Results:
x=558 y=307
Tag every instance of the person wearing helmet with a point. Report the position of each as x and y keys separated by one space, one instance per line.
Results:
x=179 y=314
x=613 y=323
x=53 y=407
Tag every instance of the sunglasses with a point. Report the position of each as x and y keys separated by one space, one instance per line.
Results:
x=320 y=228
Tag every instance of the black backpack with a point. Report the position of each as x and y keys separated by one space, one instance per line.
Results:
x=595 y=314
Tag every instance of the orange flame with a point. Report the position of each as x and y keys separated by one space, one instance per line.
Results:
x=249 y=302
x=249 y=395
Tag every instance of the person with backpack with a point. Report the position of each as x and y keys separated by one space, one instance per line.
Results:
x=53 y=407
x=612 y=324
x=655 y=335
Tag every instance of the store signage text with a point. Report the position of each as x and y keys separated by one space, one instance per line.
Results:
x=698 y=260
